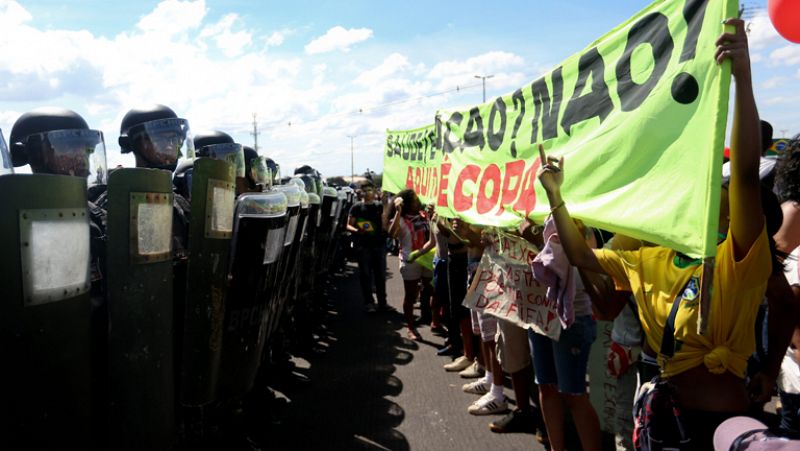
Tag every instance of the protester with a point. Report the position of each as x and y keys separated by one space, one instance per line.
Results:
x=560 y=365
x=430 y=313
x=787 y=180
x=484 y=326
x=706 y=371
x=457 y=286
x=365 y=224
x=438 y=243
x=412 y=229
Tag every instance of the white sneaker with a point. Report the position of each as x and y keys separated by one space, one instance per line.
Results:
x=473 y=371
x=479 y=387
x=488 y=404
x=458 y=364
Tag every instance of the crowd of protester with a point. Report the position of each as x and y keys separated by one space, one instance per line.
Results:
x=675 y=387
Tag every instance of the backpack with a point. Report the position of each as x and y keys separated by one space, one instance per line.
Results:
x=657 y=421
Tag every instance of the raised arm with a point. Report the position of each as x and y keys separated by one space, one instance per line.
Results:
x=394 y=224
x=551 y=176
x=746 y=220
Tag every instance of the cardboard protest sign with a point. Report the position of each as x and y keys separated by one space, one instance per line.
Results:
x=504 y=287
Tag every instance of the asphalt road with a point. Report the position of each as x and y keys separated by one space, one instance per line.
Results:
x=376 y=390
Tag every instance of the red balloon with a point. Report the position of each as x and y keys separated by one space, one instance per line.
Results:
x=785 y=16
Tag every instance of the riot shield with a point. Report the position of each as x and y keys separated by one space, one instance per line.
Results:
x=330 y=201
x=257 y=216
x=45 y=328
x=140 y=344
x=285 y=271
x=300 y=243
x=210 y=232
x=308 y=251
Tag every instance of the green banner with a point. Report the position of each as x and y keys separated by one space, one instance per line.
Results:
x=639 y=117
x=410 y=161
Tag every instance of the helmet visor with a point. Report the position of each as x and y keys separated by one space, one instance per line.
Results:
x=230 y=152
x=5 y=159
x=80 y=153
x=258 y=171
x=163 y=142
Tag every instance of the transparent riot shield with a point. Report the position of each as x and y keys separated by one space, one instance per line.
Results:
x=210 y=232
x=330 y=201
x=45 y=328
x=246 y=312
x=285 y=270
x=141 y=380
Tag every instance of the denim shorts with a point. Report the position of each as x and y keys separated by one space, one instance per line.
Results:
x=564 y=362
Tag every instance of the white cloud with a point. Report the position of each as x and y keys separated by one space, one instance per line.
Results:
x=174 y=16
x=487 y=63
x=231 y=43
x=788 y=55
x=783 y=100
x=762 y=33
x=278 y=37
x=392 y=66
x=338 y=38
x=775 y=82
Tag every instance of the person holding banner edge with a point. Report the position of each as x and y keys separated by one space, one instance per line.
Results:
x=412 y=229
x=706 y=371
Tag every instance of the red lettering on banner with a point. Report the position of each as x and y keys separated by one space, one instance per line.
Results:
x=514 y=171
x=492 y=307
x=512 y=308
x=486 y=203
x=445 y=171
x=483 y=301
x=417 y=179
x=410 y=178
x=460 y=201
x=527 y=198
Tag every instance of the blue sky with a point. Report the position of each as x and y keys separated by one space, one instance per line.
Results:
x=330 y=69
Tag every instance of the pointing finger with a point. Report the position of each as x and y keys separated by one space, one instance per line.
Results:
x=542 y=155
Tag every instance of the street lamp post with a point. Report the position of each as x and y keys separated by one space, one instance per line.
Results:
x=352 y=171
x=483 y=80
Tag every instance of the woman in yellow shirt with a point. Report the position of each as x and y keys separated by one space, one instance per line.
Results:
x=707 y=371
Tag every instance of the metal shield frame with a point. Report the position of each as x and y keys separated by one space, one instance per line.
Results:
x=26 y=220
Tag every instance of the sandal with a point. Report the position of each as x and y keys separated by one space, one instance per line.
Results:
x=412 y=334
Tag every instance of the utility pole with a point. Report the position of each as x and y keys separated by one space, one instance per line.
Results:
x=483 y=79
x=352 y=166
x=255 y=133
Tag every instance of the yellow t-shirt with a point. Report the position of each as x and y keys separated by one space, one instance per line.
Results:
x=737 y=291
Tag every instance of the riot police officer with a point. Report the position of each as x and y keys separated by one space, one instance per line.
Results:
x=158 y=139
x=59 y=407
x=221 y=146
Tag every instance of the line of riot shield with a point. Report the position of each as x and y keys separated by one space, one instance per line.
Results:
x=45 y=328
x=210 y=232
x=253 y=261
x=140 y=311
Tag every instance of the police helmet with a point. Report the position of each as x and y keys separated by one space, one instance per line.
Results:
x=274 y=170
x=220 y=146
x=58 y=141
x=156 y=135
x=255 y=168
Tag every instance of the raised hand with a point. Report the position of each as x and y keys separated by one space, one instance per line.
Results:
x=734 y=46
x=551 y=174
